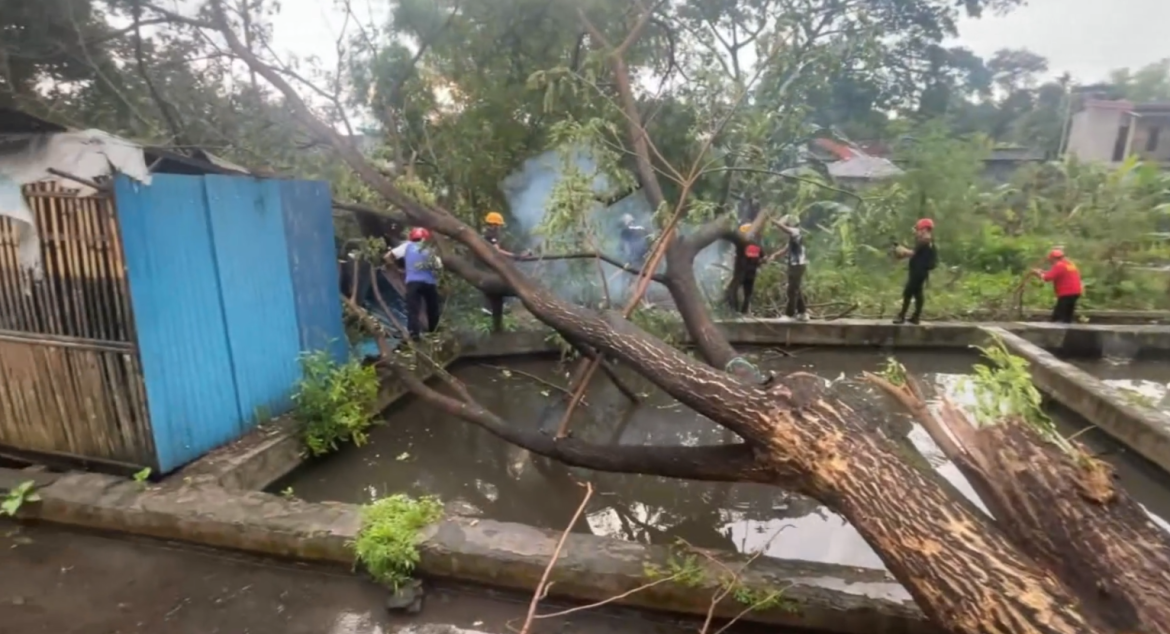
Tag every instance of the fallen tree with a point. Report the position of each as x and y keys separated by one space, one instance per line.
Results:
x=969 y=573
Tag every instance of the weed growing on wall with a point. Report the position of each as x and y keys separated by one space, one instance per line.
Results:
x=387 y=544
x=335 y=402
x=18 y=497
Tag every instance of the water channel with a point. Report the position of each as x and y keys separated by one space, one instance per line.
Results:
x=420 y=451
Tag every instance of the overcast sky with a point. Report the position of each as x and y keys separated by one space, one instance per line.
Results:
x=1087 y=38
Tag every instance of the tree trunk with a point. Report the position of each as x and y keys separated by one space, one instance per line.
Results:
x=1062 y=507
x=1069 y=514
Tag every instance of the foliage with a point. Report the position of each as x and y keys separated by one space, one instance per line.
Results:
x=1003 y=388
x=335 y=402
x=142 y=477
x=894 y=372
x=18 y=497
x=386 y=544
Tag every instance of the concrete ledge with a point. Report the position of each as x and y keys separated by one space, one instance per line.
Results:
x=1079 y=339
x=1142 y=429
x=1100 y=317
x=826 y=598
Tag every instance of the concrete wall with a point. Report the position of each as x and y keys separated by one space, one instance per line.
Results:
x=1094 y=132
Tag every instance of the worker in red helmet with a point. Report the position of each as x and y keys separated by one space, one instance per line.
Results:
x=422 y=268
x=1066 y=282
x=922 y=260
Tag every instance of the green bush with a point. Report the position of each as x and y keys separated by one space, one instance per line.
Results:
x=387 y=544
x=335 y=402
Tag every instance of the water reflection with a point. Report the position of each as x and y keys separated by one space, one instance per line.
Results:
x=1148 y=382
x=421 y=451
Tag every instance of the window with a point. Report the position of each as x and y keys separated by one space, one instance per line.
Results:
x=1152 y=140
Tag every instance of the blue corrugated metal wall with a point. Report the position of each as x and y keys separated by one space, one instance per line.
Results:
x=313 y=264
x=247 y=229
x=182 y=338
x=221 y=297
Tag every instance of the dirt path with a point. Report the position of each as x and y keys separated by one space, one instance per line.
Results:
x=60 y=582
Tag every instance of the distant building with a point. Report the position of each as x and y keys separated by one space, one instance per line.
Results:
x=1003 y=161
x=1113 y=130
x=849 y=164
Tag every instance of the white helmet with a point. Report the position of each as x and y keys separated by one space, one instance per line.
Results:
x=627 y=219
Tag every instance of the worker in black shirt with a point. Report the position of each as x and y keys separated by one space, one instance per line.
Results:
x=923 y=259
x=751 y=258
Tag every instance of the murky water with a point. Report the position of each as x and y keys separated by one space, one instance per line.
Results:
x=1148 y=381
x=421 y=451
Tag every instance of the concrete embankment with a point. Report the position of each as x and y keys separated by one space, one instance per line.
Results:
x=817 y=597
x=1143 y=429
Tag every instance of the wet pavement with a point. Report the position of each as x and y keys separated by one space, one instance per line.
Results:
x=63 y=582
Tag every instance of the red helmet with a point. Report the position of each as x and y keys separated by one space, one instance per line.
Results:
x=418 y=233
x=1055 y=254
x=925 y=223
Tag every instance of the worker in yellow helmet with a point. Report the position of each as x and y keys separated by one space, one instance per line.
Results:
x=493 y=222
x=493 y=228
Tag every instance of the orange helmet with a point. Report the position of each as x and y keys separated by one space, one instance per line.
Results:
x=925 y=223
x=1055 y=254
x=494 y=218
x=745 y=228
x=418 y=234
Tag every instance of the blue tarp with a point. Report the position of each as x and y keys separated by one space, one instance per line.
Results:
x=367 y=299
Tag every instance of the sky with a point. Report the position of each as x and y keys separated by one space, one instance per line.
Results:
x=1086 y=38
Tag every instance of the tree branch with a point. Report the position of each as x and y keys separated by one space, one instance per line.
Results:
x=719 y=463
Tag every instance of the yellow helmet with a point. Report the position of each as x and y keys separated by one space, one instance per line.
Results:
x=745 y=228
x=494 y=218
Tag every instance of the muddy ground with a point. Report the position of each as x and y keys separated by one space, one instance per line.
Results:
x=63 y=582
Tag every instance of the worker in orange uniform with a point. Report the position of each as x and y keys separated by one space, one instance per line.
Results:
x=1066 y=281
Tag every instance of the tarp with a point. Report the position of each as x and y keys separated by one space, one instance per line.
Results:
x=27 y=158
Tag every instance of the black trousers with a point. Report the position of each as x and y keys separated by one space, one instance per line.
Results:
x=915 y=290
x=795 y=294
x=749 y=286
x=417 y=292
x=1065 y=310
x=495 y=304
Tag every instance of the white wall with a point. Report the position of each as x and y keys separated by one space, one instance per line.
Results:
x=1094 y=133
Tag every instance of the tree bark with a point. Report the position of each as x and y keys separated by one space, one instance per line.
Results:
x=1063 y=509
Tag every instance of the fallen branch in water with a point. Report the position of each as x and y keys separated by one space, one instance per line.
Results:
x=543 y=586
x=527 y=375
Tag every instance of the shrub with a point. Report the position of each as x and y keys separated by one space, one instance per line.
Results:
x=335 y=402
x=387 y=544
